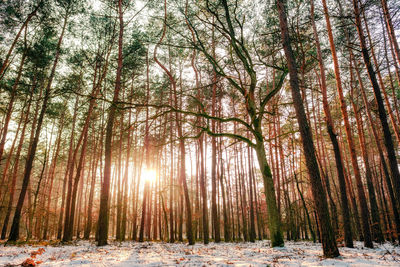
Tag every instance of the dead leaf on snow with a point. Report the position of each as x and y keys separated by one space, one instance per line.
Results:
x=37 y=252
x=28 y=263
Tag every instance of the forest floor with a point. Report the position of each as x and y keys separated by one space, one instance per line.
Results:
x=85 y=253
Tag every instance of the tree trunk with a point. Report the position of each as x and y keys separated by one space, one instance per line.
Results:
x=380 y=151
x=15 y=169
x=214 y=211
x=348 y=236
x=327 y=235
x=382 y=85
x=14 y=233
x=69 y=159
x=105 y=188
x=274 y=223
x=350 y=141
x=10 y=106
x=381 y=109
x=51 y=175
x=391 y=31
x=88 y=227
x=376 y=228
x=251 y=177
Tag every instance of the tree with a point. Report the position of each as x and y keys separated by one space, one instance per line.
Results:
x=105 y=189
x=350 y=140
x=247 y=93
x=388 y=141
x=328 y=239
x=333 y=137
x=14 y=233
x=5 y=62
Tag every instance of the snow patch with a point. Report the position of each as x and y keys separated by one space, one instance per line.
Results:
x=85 y=253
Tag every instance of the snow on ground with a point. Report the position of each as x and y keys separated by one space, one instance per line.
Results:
x=85 y=253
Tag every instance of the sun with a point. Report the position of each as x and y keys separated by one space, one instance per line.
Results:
x=149 y=175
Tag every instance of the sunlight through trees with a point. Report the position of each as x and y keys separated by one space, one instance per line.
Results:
x=198 y=121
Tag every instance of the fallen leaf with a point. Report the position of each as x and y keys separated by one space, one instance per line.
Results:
x=37 y=252
x=28 y=262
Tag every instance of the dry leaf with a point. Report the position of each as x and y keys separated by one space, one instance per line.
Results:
x=28 y=262
x=37 y=252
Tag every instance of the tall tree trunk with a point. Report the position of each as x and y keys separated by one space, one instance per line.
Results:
x=10 y=106
x=9 y=158
x=69 y=159
x=182 y=172
x=119 y=184
x=392 y=196
x=105 y=188
x=251 y=200
x=391 y=80
x=348 y=236
x=147 y=148
x=14 y=233
x=51 y=175
x=381 y=83
x=381 y=109
x=391 y=31
x=273 y=215
x=16 y=168
x=350 y=141
x=327 y=235
x=376 y=228
x=214 y=211
x=125 y=179
x=88 y=226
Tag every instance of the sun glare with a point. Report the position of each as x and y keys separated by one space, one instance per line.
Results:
x=149 y=175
